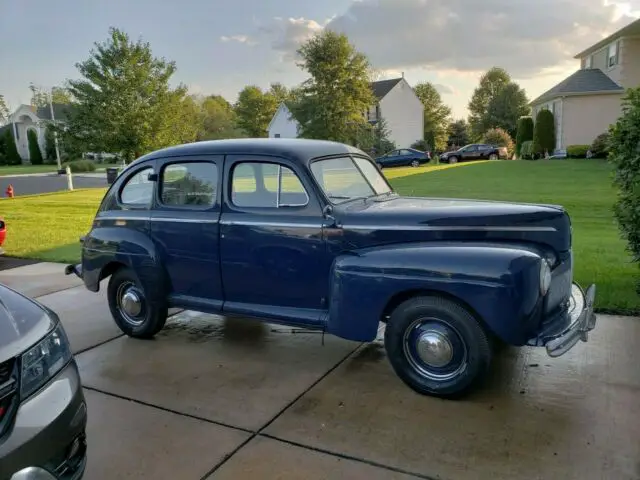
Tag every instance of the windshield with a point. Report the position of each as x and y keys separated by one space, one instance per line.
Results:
x=346 y=178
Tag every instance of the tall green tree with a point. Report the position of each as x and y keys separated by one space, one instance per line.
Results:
x=254 y=110
x=11 y=149
x=35 y=154
x=437 y=116
x=219 y=119
x=124 y=102
x=331 y=104
x=506 y=107
x=40 y=97
x=491 y=84
x=279 y=92
x=458 y=133
x=544 y=133
x=4 y=110
x=525 y=132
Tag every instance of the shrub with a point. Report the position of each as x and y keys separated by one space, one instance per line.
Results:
x=35 y=154
x=421 y=145
x=499 y=137
x=544 y=135
x=600 y=146
x=526 y=150
x=624 y=152
x=79 y=166
x=524 y=133
x=11 y=150
x=577 y=151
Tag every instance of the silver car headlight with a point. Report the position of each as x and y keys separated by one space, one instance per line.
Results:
x=545 y=276
x=43 y=361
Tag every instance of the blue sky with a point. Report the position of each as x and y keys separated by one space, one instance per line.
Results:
x=220 y=46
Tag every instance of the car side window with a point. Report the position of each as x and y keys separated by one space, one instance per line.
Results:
x=138 y=190
x=405 y=152
x=189 y=184
x=266 y=185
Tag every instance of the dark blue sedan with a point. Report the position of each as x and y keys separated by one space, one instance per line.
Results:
x=403 y=157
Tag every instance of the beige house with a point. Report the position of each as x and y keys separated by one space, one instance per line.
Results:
x=589 y=100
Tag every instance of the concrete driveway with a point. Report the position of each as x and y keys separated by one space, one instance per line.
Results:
x=46 y=183
x=226 y=398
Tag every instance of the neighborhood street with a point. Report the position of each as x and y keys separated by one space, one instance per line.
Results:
x=221 y=398
x=47 y=183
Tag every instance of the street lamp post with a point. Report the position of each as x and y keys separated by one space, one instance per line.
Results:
x=55 y=130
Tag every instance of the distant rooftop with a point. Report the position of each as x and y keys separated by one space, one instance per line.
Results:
x=584 y=81
x=382 y=87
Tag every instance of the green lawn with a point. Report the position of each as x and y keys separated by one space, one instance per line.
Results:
x=48 y=226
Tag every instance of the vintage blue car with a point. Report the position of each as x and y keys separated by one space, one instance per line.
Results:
x=310 y=233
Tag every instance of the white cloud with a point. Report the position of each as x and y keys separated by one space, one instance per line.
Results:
x=239 y=39
x=463 y=35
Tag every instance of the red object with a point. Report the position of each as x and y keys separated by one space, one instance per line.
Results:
x=3 y=233
x=9 y=191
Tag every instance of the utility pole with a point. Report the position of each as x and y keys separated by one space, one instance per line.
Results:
x=55 y=130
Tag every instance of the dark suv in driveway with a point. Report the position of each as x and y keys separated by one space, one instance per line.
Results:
x=43 y=413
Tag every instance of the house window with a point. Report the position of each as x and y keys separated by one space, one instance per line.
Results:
x=613 y=54
x=277 y=135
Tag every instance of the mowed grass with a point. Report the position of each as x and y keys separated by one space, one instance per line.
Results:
x=47 y=227
x=583 y=187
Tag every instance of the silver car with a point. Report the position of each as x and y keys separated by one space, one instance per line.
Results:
x=43 y=414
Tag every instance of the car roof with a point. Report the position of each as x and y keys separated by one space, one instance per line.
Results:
x=295 y=149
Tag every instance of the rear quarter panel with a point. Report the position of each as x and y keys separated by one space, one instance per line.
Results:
x=499 y=284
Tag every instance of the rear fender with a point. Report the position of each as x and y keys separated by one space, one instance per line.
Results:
x=104 y=250
x=499 y=284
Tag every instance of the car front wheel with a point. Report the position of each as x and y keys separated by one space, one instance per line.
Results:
x=453 y=160
x=130 y=307
x=415 y=163
x=436 y=346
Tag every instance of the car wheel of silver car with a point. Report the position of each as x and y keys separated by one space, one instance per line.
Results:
x=436 y=346
x=453 y=159
x=415 y=163
x=493 y=156
x=130 y=308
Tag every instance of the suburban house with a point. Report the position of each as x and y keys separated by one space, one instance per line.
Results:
x=396 y=102
x=28 y=117
x=589 y=100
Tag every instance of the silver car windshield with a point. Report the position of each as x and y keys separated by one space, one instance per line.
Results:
x=346 y=178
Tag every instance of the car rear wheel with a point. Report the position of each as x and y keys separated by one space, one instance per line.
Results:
x=130 y=308
x=415 y=163
x=436 y=346
x=493 y=156
x=453 y=160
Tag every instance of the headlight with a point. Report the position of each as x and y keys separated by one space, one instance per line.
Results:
x=545 y=277
x=44 y=361
x=551 y=258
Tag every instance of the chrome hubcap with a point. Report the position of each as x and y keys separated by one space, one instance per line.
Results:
x=434 y=348
x=131 y=303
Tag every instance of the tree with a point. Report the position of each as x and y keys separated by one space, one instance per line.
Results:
x=35 y=154
x=458 y=134
x=40 y=97
x=4 y=111
x=375 y=138
x=124 y=102
x=506 y=107
x=219 y=120
x=49 y=144
x=436 y=116
x=544 y=136
x=525 y=132
x=491 y=83
x=10 y=149
x=279 y=92
x=624 y=138
x=254 y=110
x=331 y=104
x=499 y=137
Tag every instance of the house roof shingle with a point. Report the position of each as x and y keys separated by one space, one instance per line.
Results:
x=382 y=87
x=585 y=81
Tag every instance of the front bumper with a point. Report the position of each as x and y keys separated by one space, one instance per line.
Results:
x=77 y=269
x=573 y=325
x=48 y=433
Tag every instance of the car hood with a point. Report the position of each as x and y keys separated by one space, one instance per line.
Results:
x=458 y=219
x=23 y=322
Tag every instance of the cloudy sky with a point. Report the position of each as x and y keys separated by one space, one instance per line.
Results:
x=222 y=45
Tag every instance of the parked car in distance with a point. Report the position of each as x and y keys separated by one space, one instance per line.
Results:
x=475 y=151
x=43 y=413
x=403 y=157
x=310 y=233
x=3 y=234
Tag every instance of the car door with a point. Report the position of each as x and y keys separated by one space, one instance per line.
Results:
x=272 y=251
x=185 y=227
x=390 y=158
x=470 y=152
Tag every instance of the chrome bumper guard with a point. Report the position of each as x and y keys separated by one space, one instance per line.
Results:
x=583 y=320
x=77 y=269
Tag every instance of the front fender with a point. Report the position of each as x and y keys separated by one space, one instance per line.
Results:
x=105 y=247
x=499 y=283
